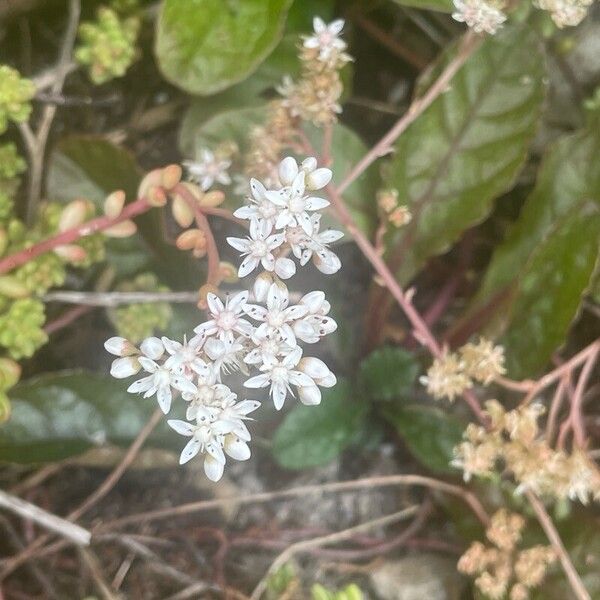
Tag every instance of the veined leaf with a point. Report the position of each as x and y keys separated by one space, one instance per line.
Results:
x=466 y=148
x=430 y=434
x=314 y=435
x=62 y=414
x=204 y=46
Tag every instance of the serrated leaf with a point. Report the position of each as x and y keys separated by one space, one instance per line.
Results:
x=92 y=167
x=205 y=46
x=388 y=374
x=439 y=5
x=550 y=290
x=62 y=414
x=314 y=435
x=466 y=148
x=430 y=434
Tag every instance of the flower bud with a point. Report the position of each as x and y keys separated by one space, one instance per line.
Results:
x=206 y=289
x=152 y=347
x=288 y=169
x=151 y=180
x=261 y=286
x=313 y=367
x=124 y=367
x=119 y=346
x=192 y=239
x=192 y=188
x=70 y=252
x=318 y=179
x=171 y=176
x=212 y=199
x=113 y=205
x=227 y=272
x=309 y=395
x=10 y=373
x=182 y=212
x=73 y=215
x=121 y=230
x=156 y=196
x=11 y=287
x=309 y=164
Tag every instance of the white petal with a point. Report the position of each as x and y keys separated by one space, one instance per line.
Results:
x=327 y=262
x=245 y=212
x=119 y=346
x=152 y=347
x=319 y=25
x=285 y=267
x=258 y=381
x=248 y=265
x=318 y=179
x=181 y=427
x=124 y=367
x=256 y=312
x=316 y=203
x=257 y=189
x=261 y=287
x=214 y=303
x=141 y=385
x=279 y=392
x=313 y=300
x=288 y=169
x=298 y=184
x=309 y=395
x=215 y=450
x=268 y=262
x=276 y=197
x=148 y=364
x=305 y=222
x=240 y=244
x=213 y=468
x=309 y=164
x=300 y=379
x=171 y=346
x=336 y=27
x=183 y=384
x=246 y=406
x=313 y=367
x=306 y=332
x=164 y=398
x=295 y=312
x=328 y=381
x=237 y=301
x=237 y=448
x=189 y=451
x=329 y=236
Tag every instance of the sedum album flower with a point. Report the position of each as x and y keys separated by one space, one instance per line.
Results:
x=227 y=318
x=325 y=38
x=479 y=15
x=260 y=208
x=565 y=13
x=208 y=170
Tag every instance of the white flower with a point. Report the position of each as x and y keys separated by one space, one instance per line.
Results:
x=479 y=15
x=315 y=324
x=259 y=250
x=159 y=382
x=277 y=317
x=185 y=358
x=208 y=169
x=325 y=38
x=268 y=348
x=225 y=355
x=280 y=375
x=226 y=318
x=294 y=204
x=260 y=209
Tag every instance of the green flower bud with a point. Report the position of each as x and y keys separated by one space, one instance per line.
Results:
x=10 y=373
x=15 y=96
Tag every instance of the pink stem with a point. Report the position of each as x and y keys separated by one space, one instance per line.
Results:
x=577 y=399
x=71 y=235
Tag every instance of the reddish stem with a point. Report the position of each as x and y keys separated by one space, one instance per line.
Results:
x=576 y=417
x=71 y=235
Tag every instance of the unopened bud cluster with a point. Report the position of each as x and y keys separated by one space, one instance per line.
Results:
x=513 y=441
x=15 y=97
x=107 y=45
x=11 y=167
x=453 y=373
x=390 y=210
x=241 y=335
x=503 y=570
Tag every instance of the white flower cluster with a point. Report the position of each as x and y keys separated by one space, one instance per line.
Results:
x=565 y=13
x=479 y=15
x=239 y=335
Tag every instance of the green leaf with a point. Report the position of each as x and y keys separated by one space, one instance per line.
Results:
x=205 y=46
x=314 y=435
x=62 y=414
x=92 y=167
x=439 y=5
x=466 y=148
x=388 y=374
x=550 y=290
x=430 y=434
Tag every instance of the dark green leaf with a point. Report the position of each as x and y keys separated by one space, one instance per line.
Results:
x=467 y=147
x=300 y=17
x=430 y=434
x=549 y=291
x=440 y=5
x=205 y=46
x=387 y=374
x=61 y=414
x=314 y=435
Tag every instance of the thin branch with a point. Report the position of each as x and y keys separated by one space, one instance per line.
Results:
x=577 y=400
x=468 y=45
x=47 y=520
x=546 y=522
x=337 y=486
x=324 y=540
x=91 y=562
x=110 y=299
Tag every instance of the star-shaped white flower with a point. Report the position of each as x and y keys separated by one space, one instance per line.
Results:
x=258 y=249
x=260 y=208
x=227 y=318
x=268 y=347
x=159 y=382
x=325 y=38
x=277 y=317
x=317 y=248
x=226 y=355
x=280 y=375
x=185 y=358
x=208 y=169
x=295 y=205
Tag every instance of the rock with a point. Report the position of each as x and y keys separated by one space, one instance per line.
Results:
x=418 y=577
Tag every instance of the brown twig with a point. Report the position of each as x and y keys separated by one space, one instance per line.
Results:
x=91 y=562
x=546 y=522
x=324 y=540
